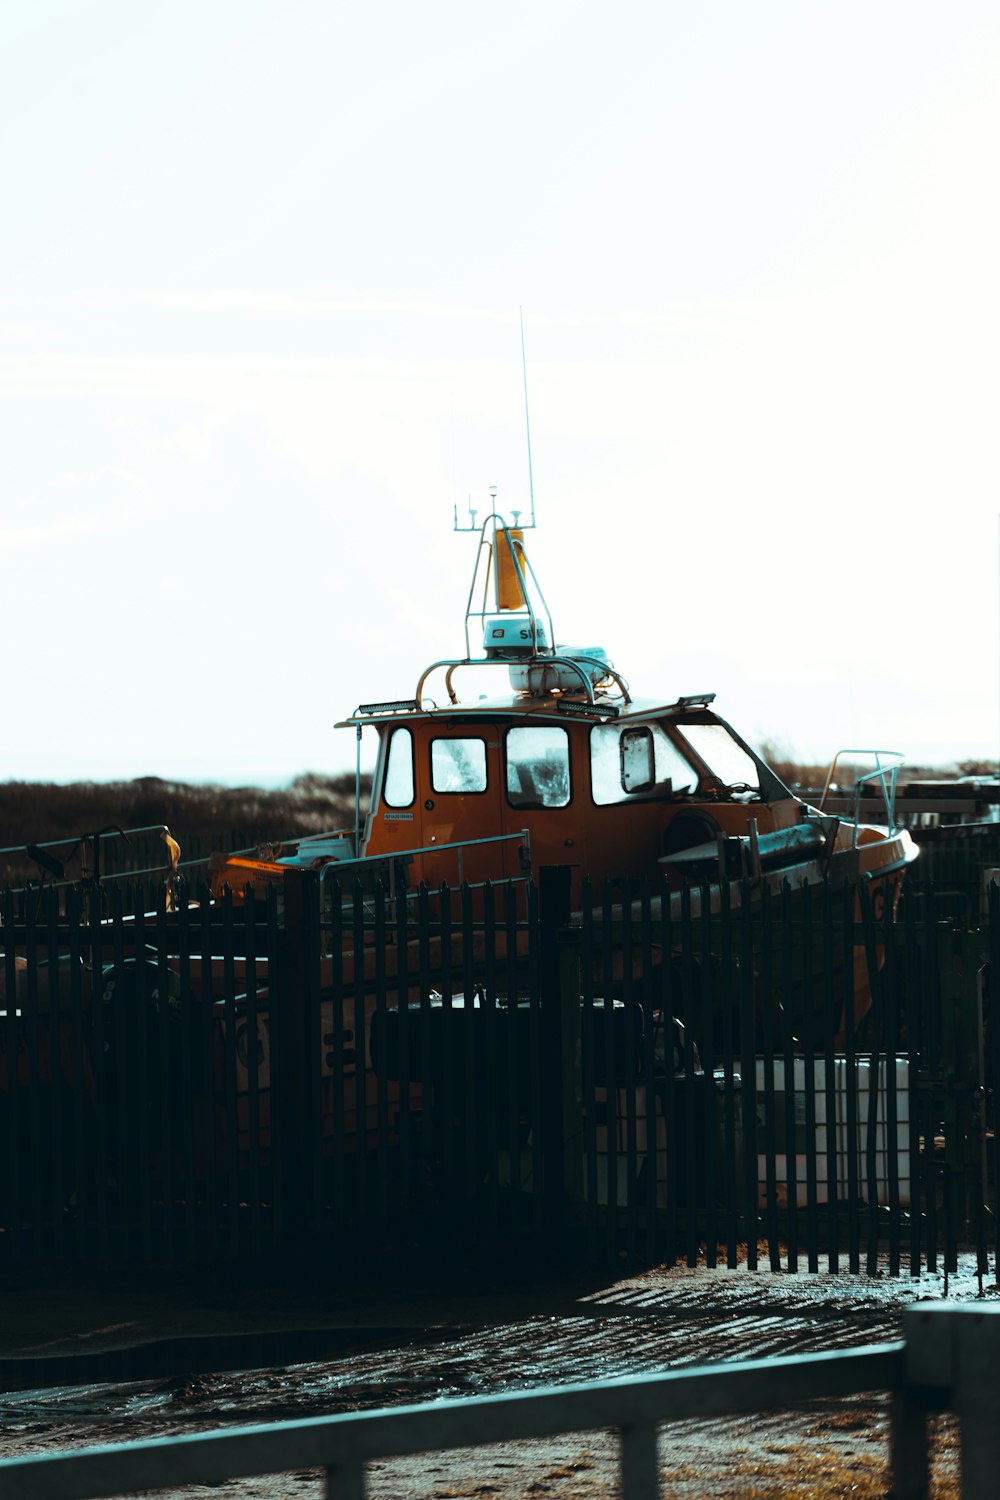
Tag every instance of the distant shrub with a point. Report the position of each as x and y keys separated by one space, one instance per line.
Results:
x=794 y=773
x=199 y=817
x=977 y=768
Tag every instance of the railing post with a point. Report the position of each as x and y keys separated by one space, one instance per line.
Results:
x=909 y=1458
x=345 y=1481
x=952 y=1359
x=640 y=1469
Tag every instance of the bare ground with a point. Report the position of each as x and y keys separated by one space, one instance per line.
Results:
x=659 y=1319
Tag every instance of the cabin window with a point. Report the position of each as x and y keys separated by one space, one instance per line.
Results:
x=724 y=756
x=458 y=765
x=398 y=788
x=636 y=751
x=538 y=766
x=637 y=759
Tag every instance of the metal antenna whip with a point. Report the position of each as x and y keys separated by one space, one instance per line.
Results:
x=527 y=422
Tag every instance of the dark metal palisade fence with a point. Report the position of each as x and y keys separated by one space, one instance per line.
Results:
x=358 y=1076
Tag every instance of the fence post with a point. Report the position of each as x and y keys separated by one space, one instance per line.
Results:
x=973 y=951
x=290 y=1027
x=572 y=1064
x=961 y=959
x=952 y=1359
x=561 y=1041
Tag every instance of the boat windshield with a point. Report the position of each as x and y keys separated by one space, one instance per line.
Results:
x=724 y=756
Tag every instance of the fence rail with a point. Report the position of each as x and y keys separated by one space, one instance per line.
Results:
x=344 y=1444
x=947 y=1360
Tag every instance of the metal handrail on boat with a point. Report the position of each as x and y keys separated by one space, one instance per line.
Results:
x=574 y=663
x=90 y=842
x=878 y=775
x=521 y=565
x=522 y=837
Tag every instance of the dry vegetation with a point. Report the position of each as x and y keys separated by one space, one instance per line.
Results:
x=199 y=817
x=728 y=1460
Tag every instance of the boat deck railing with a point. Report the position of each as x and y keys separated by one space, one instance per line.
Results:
x=882 y=778
x=53 y=857
x=391 y=864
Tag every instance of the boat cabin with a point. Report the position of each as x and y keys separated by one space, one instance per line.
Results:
x=562 y=767
x=476 y=793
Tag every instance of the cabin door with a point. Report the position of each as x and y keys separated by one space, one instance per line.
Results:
x=461 y=805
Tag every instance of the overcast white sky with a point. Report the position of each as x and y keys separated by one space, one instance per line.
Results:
x=261 y=269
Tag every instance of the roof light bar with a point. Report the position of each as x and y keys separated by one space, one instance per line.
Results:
x=587 y=710
x=401 y=706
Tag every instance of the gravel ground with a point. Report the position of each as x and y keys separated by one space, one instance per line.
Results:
x=659 y=1319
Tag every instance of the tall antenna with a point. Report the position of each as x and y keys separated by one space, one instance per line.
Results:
x=527 y=421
